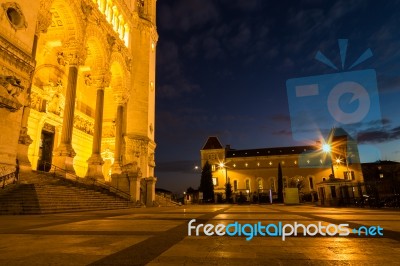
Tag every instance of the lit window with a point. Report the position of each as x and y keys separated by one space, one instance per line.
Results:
x=247 y=184
x=260 y=184
x=215 y=181
x=213 y=167
x=235 y=185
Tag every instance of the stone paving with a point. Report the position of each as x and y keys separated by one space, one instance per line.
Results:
x=159 y=236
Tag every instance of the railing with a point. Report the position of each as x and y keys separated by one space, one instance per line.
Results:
x=66 y=175
x=4 y=180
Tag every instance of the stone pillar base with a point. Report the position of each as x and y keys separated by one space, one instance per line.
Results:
x=63 y=157
x=151 y=191
x=120 y=181
x=116 y=168
x=23 y=146
x=134 y=188
x=95 y=167
x=132 y=171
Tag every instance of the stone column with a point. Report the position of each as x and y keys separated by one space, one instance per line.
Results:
x=118 y=178
x=95 y=162
x=64 y=154
x=150 y=191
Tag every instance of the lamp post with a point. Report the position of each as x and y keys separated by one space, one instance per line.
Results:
x=222 y=165
x=327 y=149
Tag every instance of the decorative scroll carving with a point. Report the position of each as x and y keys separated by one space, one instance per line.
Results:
x=75 y=53
x=36 y=101
x=12 y=85
x=83 y=124
x=86 y=9
x=43 y=22
x=121 y=98
x=10 y=88
x=102 y=79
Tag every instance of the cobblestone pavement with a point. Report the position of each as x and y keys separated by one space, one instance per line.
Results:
x=159 y=236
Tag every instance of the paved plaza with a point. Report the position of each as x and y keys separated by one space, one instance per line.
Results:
x=159 y=236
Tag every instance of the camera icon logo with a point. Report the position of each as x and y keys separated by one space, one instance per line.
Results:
x=346 y=99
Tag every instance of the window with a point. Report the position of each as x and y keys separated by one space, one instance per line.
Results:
x=260 y=184
x=311 y=182
x=213 y=167
x=215 y=181
x=349 y=175
x=333 y=192
x=235 y=185
x=247 y=184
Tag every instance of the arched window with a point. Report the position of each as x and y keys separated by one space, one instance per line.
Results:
x=272 y=183
x=311 y=181
x=260 y=183
x=247 y=184
x=235 y=185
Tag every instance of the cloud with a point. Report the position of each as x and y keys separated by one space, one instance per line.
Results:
x=242 y=37
x=186 y=15
x=379 y=136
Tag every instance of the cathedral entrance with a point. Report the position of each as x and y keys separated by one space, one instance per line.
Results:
x=46 y=148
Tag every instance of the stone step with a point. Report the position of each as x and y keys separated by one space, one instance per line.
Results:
x=41 y=194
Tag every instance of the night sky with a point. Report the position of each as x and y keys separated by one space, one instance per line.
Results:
x=222 y=68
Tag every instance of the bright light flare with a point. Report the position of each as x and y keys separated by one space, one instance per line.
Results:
x=326 y=148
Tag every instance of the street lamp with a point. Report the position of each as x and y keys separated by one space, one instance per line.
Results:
x=222 y=165
x=328 y=149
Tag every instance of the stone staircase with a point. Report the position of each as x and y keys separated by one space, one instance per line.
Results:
x=38 y=193
x=163 y=201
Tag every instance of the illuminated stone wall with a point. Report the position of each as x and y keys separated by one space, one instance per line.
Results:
x=252 y=171
x=88 y=87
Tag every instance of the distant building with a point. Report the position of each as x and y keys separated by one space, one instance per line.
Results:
x=253 y=172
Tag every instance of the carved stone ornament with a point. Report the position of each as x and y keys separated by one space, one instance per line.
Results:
x=43 y=21
x=84 y=125
x=86 y=9
x=14 y=15
x=10 y=88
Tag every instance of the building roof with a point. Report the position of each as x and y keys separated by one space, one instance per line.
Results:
x=212 y=143
x=270 y=151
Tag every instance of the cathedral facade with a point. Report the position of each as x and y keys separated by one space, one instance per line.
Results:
x=77 y=90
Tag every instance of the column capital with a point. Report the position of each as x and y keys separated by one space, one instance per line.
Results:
x=121 y=98
x=43 y=22
x=74 y=54
x=101 y=78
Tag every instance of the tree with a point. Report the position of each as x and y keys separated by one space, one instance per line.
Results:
x=206 y=183
x=280 y=184
x=228 y=191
